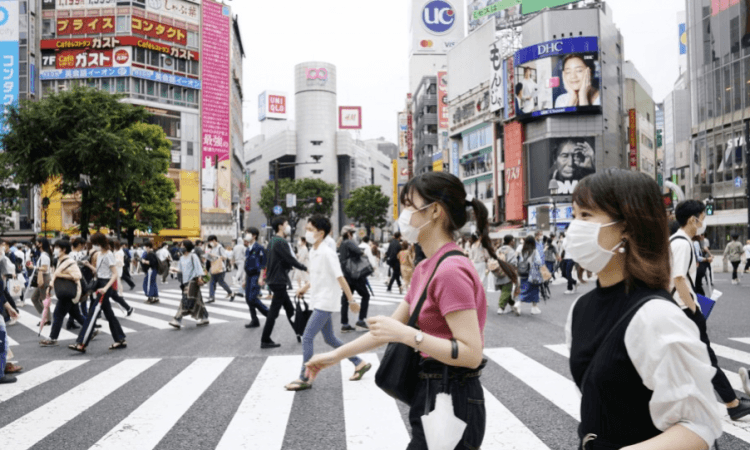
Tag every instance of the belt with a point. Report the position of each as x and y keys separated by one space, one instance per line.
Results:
x=439 y=376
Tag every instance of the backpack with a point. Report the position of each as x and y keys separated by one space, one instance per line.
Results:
x=16 y=262
x=524 y=266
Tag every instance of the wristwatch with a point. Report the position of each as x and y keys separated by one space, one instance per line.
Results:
x=418 y=338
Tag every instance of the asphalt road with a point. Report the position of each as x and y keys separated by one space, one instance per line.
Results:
x=213 y=387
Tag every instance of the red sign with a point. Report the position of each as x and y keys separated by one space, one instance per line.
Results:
x=718 y=6
x=248 y=204
x=85 y=25
x=277 y=104
x=510 y=103
x=122 y=57
x=442 y=81
x=151 y=28
x=112 y=42
x=633 y=138
x=514 y=187
x=83 y=59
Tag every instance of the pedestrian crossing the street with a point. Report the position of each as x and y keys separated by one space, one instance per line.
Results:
x=157 y=316
x=241 y=404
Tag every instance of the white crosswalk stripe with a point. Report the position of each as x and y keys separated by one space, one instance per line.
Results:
x=260 y=411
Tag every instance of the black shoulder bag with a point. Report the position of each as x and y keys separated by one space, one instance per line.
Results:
x=399 y=368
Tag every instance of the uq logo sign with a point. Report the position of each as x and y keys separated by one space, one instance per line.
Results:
x=438 y=17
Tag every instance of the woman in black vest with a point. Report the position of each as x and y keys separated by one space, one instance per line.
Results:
x=644 y=374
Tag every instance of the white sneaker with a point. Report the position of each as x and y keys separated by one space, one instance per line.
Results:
x=176 y=323
x=745 y=380
x=575 y=288
x=500 y=311
x=570 y=292
x=535 y=310
x=517 y=308
x=201 y=322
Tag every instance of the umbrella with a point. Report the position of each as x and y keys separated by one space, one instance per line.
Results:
x=92 y=322
x=45 y=314
x=301 y=316
x=442 y=429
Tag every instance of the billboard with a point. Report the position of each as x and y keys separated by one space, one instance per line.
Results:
x=567 y=160
x=158 y=30
x=682 y=31
x=272 y=105
x=504 y=11
x=436 y=26
x=509 y=104
x=9 y=33
x=177 y=9
x=216 y=163
x=557 y=77
x=77 y=4
x=402 y=128
x=350 y=117
x=112 y=42
x=85 y=25
x=632 y=140
x=496 y=78
x=514 y=186
x=442 y=85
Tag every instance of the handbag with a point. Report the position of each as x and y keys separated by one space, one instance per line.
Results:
x=358 y=267
x=67 y=288
x=546 y=274
x=398 y=373
x=187 y=303
x=15 y=287
x=217 y=266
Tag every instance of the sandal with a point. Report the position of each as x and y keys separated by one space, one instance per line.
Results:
x=118 y=345
x=358 y=374
x=12 y=368
x=48 y=343
x=298 y=385
x=78 y=348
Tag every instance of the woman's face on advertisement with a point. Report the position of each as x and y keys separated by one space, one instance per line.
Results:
x=574 y=72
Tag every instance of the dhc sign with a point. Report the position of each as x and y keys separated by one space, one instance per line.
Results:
x=438 y=17
x=550 y=47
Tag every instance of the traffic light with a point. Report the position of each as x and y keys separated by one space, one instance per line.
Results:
x=710 y=209
x=319 y=200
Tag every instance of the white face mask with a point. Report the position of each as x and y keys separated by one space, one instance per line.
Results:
x=702 y=228
x=409 y=233
x=96 y=248
x=56 y=252
x=582 y=245
x=249 y=238
x=310 y=237
x=288 y=230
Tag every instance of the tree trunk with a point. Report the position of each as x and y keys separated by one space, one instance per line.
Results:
x=84 y=225
x=130 y=236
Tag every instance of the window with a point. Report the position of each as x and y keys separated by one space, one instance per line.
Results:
x=181 y=65
x=150 y=88
x=164 y=91
x=48 y=29
x=192 y=39
x=123 y=84
x=123 y=24
x=106 y=82
x=195 y=68
x=139 y=55
x=190 y=149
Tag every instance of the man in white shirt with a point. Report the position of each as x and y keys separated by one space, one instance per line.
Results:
x=164 y=259
x=216 y=252
x=691 y=215
x=747 y=256
x=238 y=256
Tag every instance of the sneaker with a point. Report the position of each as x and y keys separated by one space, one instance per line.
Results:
x=202 y=322
x=8 y=379
x=130 y=311
x=347 y=328
x=12 y=322
x=740 y=410
x=270 y=344
x=745 y=380
x=535 y=310
x=500 y=311
x=569 y=292
x=210 y=300
x=176 y=323
x=255 y=324
x=363 y=325
x=517 y=308
x=231 y=298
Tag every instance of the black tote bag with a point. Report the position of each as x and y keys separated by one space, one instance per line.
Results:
x=399 y=368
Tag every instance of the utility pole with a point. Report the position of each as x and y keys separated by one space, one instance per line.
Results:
x=747 y=173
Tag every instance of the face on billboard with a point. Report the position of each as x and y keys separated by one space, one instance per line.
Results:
x=566 y=160
x=558 y=77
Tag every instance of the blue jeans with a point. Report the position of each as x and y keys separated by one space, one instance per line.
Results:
x=218 y=278
x=320 y=321
x=551 y=268
x=4 y=347
x=252 y=294
x=567 y=267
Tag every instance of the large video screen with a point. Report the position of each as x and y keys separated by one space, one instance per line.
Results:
x=557 y=77
x=567 y=160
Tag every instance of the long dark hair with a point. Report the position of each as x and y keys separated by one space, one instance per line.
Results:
x=529 y=245
x=44 y=243
x=635 y=199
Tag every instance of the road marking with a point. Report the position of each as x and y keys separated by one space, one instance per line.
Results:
x=171 y=312
x=553 y=386
x=742 y=340
x=11 y=341
x=385 y=429
x=261 y=419
x=560 y=349
x=504 y=431
x=730 y=353
x=151 y=421
x=212 y=309
x=26 y=431
x=35 y=377
x=29 y=320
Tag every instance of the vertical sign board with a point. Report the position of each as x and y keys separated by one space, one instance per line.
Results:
x=509 y=100
x=496 y=78
x=410 y=141
x=443 y=120
x=8 y=56
x=514 y=188
x=216 y=173
x=632 y=138
x=394 y=163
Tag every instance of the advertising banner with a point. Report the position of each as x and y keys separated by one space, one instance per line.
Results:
x=563 y=213
x=402 y=127
x=9 y=34
x=683 y=38
x=394 y=166
x=271 y=105
x=112 y=42
x=350 y=117
x=145 y=74
x=504 y=11
x=633 y=139
x=509 y=87
x=558 y=77
x=455 y=165
x=216 y=164
x=85 y=25
x=83 y=59
x=567 y=160
x=178 y=9
x=77 y=4
x=496 y=78
x=514 y=186
x=157 y=30
x=442 y=84
x=531 y=6
x=437 y=26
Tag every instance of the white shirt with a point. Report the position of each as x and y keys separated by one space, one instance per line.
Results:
x=120 y=257
x=666 y=351
x=238 y=253
x=104 y=264
x=44 y=260
x=330 y=243
x=162 y=254
x=682 y=252
x=368 y=252
x=747 y=251
x=325 y=270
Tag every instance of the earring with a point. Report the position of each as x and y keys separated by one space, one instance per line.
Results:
x=621 y=250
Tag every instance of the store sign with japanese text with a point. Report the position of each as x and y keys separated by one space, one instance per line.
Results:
x=509 y=88
x=496 y=78
x=157 y=30
x=179 y=9
x=514 y=183
x=112 y=42
x=443 y=119
x=77 y=4
x=85 y=25
x=633 y=139
x=9 y=34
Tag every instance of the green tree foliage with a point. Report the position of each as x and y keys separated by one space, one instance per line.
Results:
x=8 y=200
x=307 y=190
x=89 y=132
x=367 y=206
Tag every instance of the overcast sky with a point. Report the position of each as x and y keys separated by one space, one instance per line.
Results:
x=368 y=42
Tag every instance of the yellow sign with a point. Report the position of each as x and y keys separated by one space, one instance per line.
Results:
x=437 y=166
x=394 y=164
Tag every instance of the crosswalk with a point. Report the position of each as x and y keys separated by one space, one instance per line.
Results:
x=239 y=403
x=157 y=316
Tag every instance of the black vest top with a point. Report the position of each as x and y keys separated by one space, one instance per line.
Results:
x=615 y=403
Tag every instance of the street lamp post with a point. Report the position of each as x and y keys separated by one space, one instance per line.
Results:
x=747 y=173
x=45 y=206
x=554 y=186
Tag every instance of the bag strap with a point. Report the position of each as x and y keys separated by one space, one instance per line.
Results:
x=692 y=251
x=612 y=330
x=414 y=315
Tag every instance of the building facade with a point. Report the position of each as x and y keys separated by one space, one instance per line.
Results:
x=718 y=49
x=640 y=122
x=425 y=123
